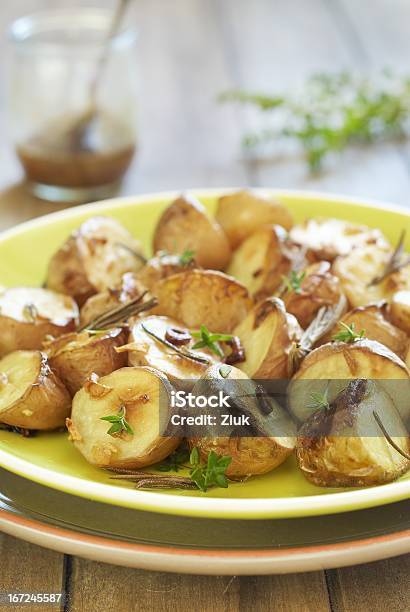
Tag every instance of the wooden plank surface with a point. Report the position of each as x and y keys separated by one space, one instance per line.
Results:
x=189 y=51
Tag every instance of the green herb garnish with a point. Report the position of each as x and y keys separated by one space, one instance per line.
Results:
x=332 y=112
x=186 y=258
x=211 y=474
x=209 y=340
x=348 y=333
x=119 y=423
x=319 y=401
x=175 y=461
x=293 y=282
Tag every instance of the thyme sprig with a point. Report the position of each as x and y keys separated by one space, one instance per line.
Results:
x=184 y=352
x=293 y=282
x=207 y=339
x=119 y=424
x=186 y=258
x=348 y=333
x=210 y=474
x=320 y=401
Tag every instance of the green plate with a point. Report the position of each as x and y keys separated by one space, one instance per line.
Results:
x=51 y=460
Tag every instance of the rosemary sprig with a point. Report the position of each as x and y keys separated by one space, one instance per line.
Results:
x=319 y=401
x=119 y=424
x=395 y=262
x=348 y=334
x=293 y=282
x=389 y=438
x=184 y=352
x=120 y=314
x=207 y=339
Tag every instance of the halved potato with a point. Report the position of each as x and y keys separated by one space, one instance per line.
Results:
x=329 y=238
x=262 y=260
x=399 y=310
x=31 y=395
x=344 y=446
x=93 y=259
x=144 y=350
x=185 y=225
x=318 y=288
x=76 y=356
x=327 y=370
x=250 y=454
x=203 y=297
x=268 y=335
x=128 y=289
x=358 y=270
x=142 y=395
x=161 y=266
x=243 y=212
x=28 y=315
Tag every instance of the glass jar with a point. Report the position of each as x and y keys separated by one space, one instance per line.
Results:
x=74 y=132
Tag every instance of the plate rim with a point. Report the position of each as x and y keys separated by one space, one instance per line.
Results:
x=198 y=560
x=244 y=508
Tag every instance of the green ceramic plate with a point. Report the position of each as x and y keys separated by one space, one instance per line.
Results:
x=51 y=460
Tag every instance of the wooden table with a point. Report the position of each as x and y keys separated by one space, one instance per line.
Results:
x=189 y=51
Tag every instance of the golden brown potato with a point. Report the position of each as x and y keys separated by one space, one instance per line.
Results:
x=358 y=270
x=353 y=452
x=269 y=336
x=185 y=226
x=129 y=289
x=31 y=395
x=135 y=398
x=93 y=259
x=329 y=238
x=250 y=454
x=28 y=315
x=74 y=357
x=317 y=288
x=164 y=265
x=203 y=297
x=371 y=319
x=144 y=350
x=262 y=260
x=399 y=310
x=321 y=370
x=243 y=212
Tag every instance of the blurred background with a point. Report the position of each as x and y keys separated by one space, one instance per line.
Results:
x=189 y=51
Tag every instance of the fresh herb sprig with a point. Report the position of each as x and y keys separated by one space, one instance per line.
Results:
x=186 y=258
x=332 y=112
x=119 y=424
x=293 y=282
x=348 y=333
x=211 y=474
x=176 y=460
x=320 y=401
x=207 y=339
x=184 y=352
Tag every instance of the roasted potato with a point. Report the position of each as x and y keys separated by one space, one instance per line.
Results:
x=28 y=315
x=343 y=446
x=185 y=226
x=399 y=310
x=244 y=212
x=262 y=260
x=329 y=238
x=93 y=259
x=144 y=350
x=164 y=265
x=74 y=357
x=203 y=297
x=135 y=399
x=129 y=288
x=327 y=369
x=250 y=454
x=269 y=336
x=357 y=273
x=31 y=395
x=317 y=288
x=372 y=320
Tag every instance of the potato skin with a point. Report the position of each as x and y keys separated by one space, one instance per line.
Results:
x=250 y=456
x=185 y=225
x=243 y=212
x=372 y=320
x=318 y=288
x=203 y=297
x=89 y=433
x=96 y=305
x=161 y=266
x=93 y=259
x=46 y=313
x=45 y=404
x=399 y=310
x=76 y=356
